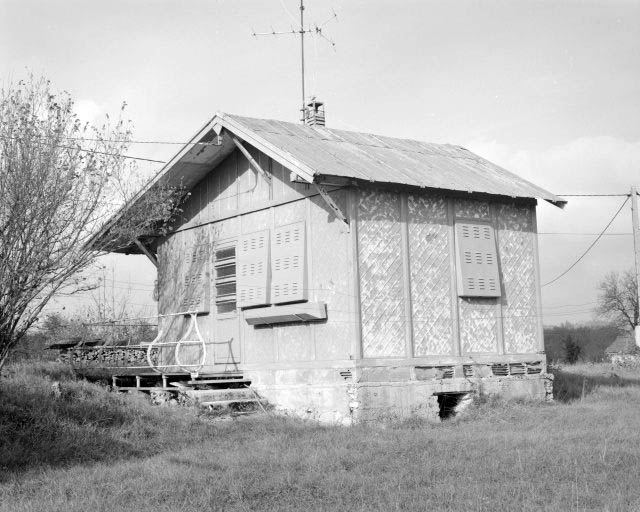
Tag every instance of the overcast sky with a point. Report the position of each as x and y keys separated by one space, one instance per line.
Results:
x=549 y=90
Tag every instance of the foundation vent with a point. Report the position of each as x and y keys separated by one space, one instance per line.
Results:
x=434 y=372
x=534 y=368
x=517 y=369
x=447 y=371
x=467 y=370
x=500 y=370
x=444 y=372
x=504 y=369
x=346 y=375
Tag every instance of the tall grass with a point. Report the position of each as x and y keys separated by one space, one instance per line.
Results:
x=86 y=449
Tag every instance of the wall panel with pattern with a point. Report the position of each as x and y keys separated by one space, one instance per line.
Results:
x=516 y=234
x=429 y=257
x=381 y=274
x=478 y=316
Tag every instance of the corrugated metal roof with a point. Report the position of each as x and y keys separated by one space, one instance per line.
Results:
x=314 y=152
x=387 y=160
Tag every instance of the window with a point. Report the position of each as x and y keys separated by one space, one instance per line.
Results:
x=477 y=260
x=225 y=279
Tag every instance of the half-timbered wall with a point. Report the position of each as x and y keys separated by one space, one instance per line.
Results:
x=441 y=321
x=430 y=263
x=381 y=274
x=516 y=243
x=478 y=316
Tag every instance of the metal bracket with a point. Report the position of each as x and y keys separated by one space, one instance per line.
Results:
x=253 y=163
x=327 y=199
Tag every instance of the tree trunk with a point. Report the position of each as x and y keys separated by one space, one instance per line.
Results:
x=7 y=342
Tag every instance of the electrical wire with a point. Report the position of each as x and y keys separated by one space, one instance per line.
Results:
x=569 y=305
x=125 y=141
x=590 y=246
x=582 y=234
x=92 y=151
x=593 y=195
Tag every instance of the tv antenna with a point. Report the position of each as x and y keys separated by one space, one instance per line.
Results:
x=313 y=30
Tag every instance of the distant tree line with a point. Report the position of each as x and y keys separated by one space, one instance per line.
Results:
x=570 y=343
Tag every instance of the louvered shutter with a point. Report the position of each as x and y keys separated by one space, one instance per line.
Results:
x=195 y=293
x=253 y=269
x=477 y=268
x=289 y=264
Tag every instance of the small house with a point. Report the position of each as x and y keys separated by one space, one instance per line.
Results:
x=347 y=276
x=623 y=349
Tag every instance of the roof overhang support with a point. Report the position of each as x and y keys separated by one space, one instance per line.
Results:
x=331 y=203
x=147 y=252
x=252 y=161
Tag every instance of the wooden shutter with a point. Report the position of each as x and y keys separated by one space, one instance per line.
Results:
x=289 y=264
x=196 y=287
x=253 y=269
x=477 y=260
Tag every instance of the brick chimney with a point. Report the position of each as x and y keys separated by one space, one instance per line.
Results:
x=314 y=113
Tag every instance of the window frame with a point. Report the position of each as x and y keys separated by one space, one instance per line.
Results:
x=229 y=298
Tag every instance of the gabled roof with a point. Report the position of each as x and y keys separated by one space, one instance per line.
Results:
x=318 y=153
x=623 y=344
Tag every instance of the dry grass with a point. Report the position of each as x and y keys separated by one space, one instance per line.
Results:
x=91 y=450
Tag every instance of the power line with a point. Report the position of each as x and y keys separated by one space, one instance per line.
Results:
x=569 y=305
x=125 y=141
x=582 y=234
x=91 y=151
x=590 y=246
x=593 y=195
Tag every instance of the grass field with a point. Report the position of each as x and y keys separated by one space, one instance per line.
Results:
x=76 y=447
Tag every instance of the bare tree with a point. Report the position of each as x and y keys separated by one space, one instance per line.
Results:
x=59 y=179
x=618 y=299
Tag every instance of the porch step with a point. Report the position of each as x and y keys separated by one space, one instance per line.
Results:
x=238 y=401
x=219 y=381
x=217 y=395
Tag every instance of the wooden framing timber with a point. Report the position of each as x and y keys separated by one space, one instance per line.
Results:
x=331 y=203
x=252 y=161
x=147 y=252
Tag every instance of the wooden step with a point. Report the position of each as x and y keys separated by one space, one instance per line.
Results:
x=219 y=381
x=239 y=401
x=180 y=385
x=208 y=395
x=144 y=388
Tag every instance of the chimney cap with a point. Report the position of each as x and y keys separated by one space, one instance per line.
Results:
x=314 y=113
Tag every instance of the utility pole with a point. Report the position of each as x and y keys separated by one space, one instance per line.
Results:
x=636 y=249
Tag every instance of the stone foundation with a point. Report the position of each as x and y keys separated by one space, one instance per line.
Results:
x=387 y=394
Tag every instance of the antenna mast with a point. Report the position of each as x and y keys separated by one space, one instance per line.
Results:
x=302 y=54
x=317 y=30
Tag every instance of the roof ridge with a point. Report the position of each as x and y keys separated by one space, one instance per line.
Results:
x=335 y=131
